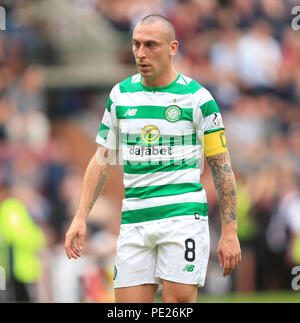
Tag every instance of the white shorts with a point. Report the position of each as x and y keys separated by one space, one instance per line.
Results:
x=174 y=249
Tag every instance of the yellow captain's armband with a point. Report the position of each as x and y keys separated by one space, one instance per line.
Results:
x=215 y=143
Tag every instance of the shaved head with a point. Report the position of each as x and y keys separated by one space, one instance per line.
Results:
x=154 y=18
x=154 y=46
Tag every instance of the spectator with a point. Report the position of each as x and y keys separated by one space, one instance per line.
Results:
x=259 y=56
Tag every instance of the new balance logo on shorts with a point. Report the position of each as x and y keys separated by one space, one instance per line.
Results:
x=188 y=268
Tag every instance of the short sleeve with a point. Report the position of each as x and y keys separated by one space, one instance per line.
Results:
x=207 y=116
x=208 y=123
x=108 y=131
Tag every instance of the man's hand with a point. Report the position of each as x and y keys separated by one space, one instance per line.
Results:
x=93 y=182
x=229 y=252
x=75 y=238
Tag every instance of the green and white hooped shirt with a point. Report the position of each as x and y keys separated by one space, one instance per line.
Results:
x=159 y=132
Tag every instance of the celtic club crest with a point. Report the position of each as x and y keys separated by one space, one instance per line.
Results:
x=173 y=113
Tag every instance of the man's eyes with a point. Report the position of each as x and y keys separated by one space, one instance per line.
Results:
x=148 y=44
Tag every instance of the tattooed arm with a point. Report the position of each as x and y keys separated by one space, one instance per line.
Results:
x=93 y=182
x=229 y=252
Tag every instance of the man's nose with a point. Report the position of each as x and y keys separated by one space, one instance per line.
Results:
x=141 y=52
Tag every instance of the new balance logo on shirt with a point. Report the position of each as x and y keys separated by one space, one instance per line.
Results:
x=131 y=112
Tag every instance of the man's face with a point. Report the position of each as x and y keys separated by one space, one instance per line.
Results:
x=152 y=49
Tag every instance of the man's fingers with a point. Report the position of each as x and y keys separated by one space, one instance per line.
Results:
x=229 y=252
x=81 y=242
x=68 y=246
x=227 y=262
x=221 y=259
x=227 y=267
x=227 y=272
x=75 y=254
x=74 y=239
x=75 y=244
x=237 y=259
x=71 y=247
x=75 y=251
x=230 y=263
x=233 y=263
x=72 y=252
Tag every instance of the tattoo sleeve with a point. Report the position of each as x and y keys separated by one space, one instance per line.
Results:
x=225 y=186
x=101 y=182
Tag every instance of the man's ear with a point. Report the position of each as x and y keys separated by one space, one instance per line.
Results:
x=174 y=47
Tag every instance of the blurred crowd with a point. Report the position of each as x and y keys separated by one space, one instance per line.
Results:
x=245 y=52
